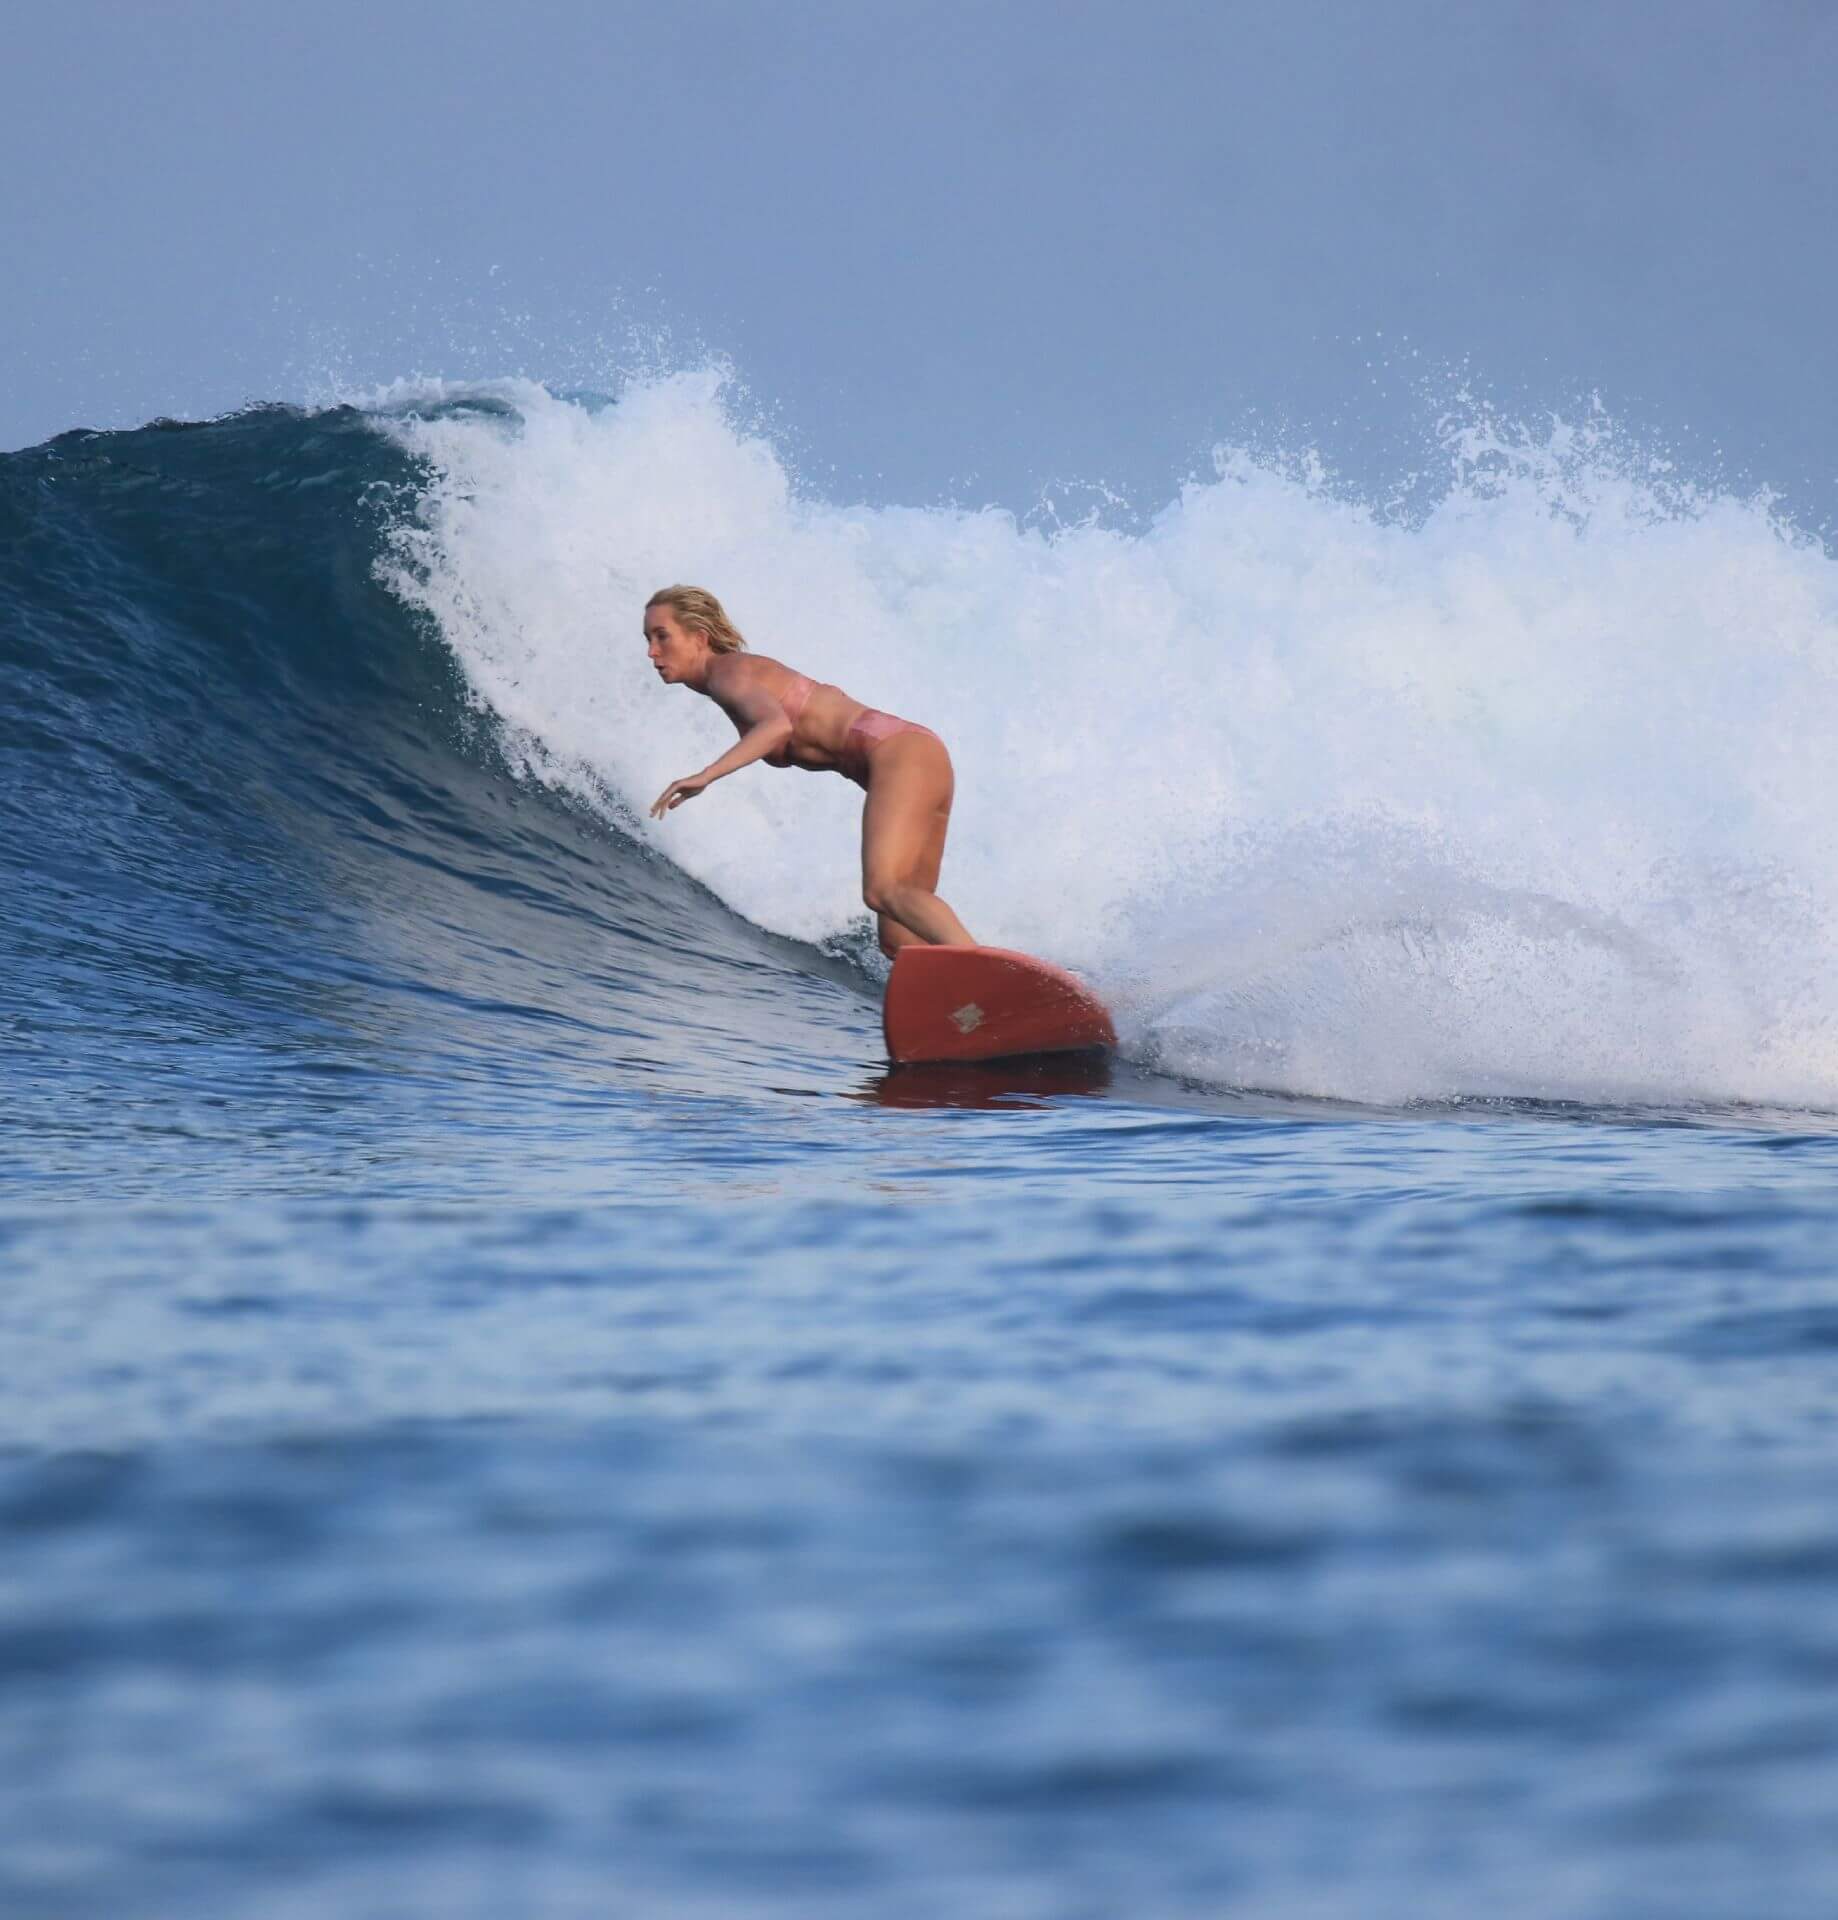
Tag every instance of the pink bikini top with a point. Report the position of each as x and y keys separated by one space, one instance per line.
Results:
x=793 y=700
x=866 y=731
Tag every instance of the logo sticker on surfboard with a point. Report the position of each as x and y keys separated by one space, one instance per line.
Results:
x=967 y=1018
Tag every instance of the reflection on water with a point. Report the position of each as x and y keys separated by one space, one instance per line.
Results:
x=991 y=1083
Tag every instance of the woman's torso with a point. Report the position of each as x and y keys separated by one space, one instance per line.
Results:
x=820 y=714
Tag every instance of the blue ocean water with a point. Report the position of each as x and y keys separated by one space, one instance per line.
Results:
x=508 y=1405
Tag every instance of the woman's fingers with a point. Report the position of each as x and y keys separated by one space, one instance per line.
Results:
x=674 y=795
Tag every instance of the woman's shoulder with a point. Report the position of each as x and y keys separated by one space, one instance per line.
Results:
x=750 y=669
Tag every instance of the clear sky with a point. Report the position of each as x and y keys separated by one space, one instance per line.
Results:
x=953 y=249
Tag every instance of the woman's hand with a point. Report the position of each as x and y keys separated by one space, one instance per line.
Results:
x=676 y=793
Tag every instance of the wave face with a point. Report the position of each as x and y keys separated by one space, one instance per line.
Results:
x=269 y=877
x=1526 y=793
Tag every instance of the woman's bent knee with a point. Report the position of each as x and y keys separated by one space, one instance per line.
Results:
x=893 y=936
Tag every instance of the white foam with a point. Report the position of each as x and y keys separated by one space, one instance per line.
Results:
x=1534 y=796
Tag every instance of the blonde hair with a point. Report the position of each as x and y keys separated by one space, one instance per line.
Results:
x=701 y=612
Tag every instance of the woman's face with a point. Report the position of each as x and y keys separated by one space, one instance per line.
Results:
x=676 y=651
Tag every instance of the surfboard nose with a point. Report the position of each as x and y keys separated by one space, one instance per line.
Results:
x=987 y=1003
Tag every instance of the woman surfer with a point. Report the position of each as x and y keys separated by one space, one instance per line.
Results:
x=789 y=720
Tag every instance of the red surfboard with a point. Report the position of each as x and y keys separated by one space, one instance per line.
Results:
x=986 y=1003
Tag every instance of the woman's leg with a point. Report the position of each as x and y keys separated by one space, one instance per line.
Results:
x=910 y=787
x=893 y=935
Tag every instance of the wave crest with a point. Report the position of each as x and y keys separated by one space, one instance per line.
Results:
x=1526 y=793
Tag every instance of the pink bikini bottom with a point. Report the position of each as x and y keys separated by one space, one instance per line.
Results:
x=871 y=727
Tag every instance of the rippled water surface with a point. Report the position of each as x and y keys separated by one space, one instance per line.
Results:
x=1077 y=1505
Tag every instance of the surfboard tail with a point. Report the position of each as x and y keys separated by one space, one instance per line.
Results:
x=987 y=1003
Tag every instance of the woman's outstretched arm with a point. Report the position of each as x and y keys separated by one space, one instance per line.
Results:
x=765 y=728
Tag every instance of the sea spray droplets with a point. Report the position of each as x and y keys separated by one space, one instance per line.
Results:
x=1531 y=795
